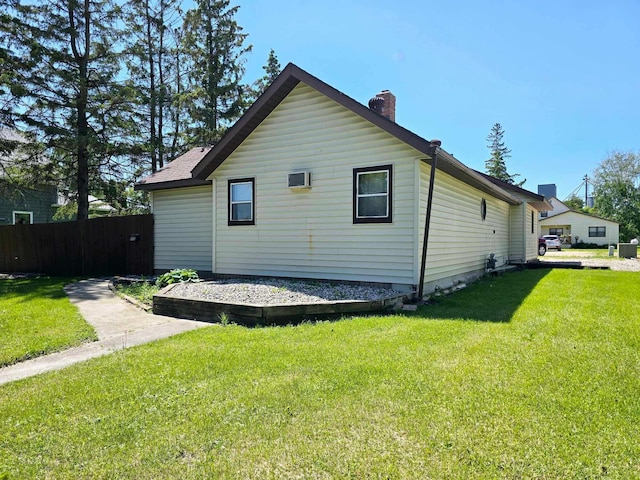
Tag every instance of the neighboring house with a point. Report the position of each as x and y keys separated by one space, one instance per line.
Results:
x=97 y=207
x=26 y=205
x=310 y=183
x=556 y=207
x=20 y=204
x=573 y=226
x=37 y=204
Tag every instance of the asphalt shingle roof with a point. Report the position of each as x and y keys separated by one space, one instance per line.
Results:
x=178 y=171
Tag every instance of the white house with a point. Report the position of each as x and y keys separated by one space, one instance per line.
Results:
x=574 y=227
x=310 y=183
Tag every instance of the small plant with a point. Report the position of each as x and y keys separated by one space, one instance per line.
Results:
x=178 y=275
x=224 y=319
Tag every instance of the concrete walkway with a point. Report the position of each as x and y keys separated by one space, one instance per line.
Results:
x=118 y=324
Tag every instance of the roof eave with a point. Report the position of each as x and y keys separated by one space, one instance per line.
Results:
x=454 y=167
x=541 y=205
x=187 y=182
x=579 y=213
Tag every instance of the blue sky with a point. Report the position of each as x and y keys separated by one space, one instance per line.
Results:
x=562 y=77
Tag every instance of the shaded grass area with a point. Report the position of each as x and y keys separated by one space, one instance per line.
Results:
x=36 y=318
x=547 y=387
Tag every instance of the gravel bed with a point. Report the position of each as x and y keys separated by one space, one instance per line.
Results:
x=275 y=291
x=582 y=257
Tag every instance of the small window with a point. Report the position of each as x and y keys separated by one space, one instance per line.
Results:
x=544 y=214
x=242 y=201
x=372 y=194
x=22 y=218
x=483 y=209
x=556 y=231
x=597 y=231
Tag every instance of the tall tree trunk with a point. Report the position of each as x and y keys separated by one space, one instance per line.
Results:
x=176 y=108
x=152 y=91
x=82 y=125
x=162 y=89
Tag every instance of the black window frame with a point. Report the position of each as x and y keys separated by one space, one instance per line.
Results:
x=556 y=231
x=533 y=219
x=364 y=170
x=234 y=181
x=597 y=232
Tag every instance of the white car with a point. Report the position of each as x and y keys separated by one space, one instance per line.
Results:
x=552 y=241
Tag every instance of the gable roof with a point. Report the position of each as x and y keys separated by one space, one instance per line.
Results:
x=286 y=81
x=558 y=200
x=543 y=220
x=539 y=202
x=176 y=173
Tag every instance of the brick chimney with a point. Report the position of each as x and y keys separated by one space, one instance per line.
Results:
x=384 y=103
x=389 y=106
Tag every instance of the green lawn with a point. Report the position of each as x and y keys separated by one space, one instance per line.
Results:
x=36 y=317
x=531 y=375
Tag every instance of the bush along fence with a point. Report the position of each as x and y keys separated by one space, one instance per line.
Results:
x=99 y=246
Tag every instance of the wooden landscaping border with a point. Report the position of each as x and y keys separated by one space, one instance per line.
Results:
x=261 y=315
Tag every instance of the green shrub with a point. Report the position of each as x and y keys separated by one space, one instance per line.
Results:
x=589 y=245
x=178 y=275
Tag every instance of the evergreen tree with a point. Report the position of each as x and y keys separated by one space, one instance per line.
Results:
x=216 y=47
x=272 y=69
x=150 y=62
x=61 y=88
x=496 y=165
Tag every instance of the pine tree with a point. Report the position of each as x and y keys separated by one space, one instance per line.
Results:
x=216 y=47
x=61 y=88
x=272 y=69
x=150 y=62
x=496 y=165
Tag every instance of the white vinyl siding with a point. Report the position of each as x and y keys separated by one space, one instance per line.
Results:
x=532 y=237
x=517 y=235
x=523 y=243
x=183 y=228
x=459 y=240
x=309 y=233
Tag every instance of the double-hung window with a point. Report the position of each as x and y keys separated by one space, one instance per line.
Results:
x=372 y=194
x=242 y=201
x=597 y=231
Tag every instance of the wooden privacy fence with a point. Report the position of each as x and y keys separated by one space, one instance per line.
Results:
x=100 y=246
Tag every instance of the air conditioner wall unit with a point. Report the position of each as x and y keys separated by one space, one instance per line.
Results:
x=299 y=180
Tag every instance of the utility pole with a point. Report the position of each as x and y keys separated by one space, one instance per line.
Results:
x=586 y=189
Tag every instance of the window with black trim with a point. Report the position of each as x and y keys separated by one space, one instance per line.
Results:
x=372 y=194
x=483 y=209
x=242 y=196
x=533 y=222
x=556 y=231
x=597 y=231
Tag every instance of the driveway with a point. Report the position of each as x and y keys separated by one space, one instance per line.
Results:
x=588 y=259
